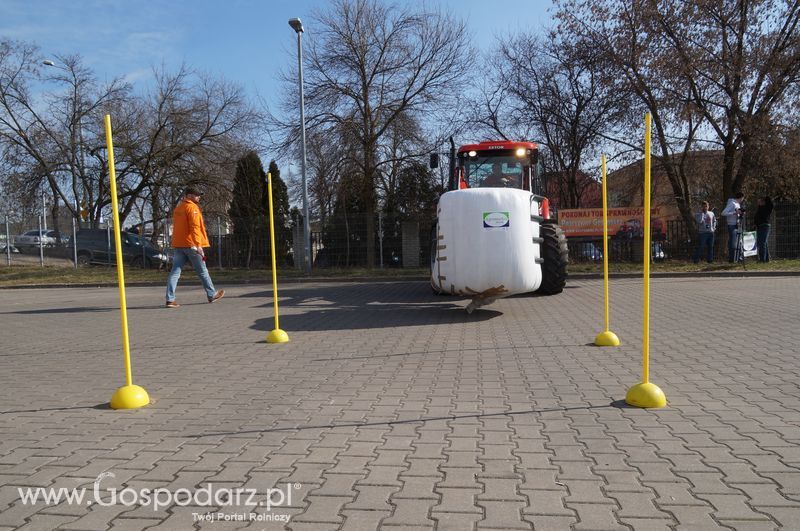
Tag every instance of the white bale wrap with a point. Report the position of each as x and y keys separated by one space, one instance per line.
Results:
x=487 y=244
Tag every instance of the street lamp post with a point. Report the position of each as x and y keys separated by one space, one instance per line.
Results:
x=48 y=62
x=44 y=210
x=8 y=244
x=297 y=26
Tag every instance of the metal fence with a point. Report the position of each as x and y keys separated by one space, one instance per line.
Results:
x=680 y=240
x=62 y=249
x=403 y=241
x=45 y=247
x=398 y=241
x=785 y=233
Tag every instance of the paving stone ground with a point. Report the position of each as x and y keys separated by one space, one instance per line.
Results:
x=392 y=408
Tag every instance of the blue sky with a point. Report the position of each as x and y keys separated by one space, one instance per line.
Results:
x=248 y=42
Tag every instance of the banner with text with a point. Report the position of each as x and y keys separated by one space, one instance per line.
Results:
x=622 y=222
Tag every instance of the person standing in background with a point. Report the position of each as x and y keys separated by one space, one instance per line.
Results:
x=733 y=212
x=762 y=220
x=706 y=226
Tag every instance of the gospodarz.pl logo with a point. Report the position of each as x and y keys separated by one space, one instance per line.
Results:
x=245 y=504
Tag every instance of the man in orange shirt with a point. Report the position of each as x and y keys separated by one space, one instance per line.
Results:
x=188 y=239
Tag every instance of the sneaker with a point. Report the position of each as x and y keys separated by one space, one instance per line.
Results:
x=217 y=296
x=172 y=304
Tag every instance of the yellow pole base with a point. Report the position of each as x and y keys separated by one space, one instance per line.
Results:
x=277 y=336
x=647 y=395
x=129 y=397
x=606 y=339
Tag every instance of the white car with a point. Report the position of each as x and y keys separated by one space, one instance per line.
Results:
x=658 y=252
x=29 y=241
x=591 y=251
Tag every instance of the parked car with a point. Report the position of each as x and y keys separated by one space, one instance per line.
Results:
x=94 y=247
x=658 y=252
x=3 y=248
x=591 y=251
x=29 y=241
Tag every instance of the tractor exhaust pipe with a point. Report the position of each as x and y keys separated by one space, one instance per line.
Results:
x=452 y=185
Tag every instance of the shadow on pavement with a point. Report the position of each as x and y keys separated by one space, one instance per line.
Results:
x=367 y=306
x=406 y=421
x=46 y=311
x=177 y=346
x=420 y=353
x=347 y=293
x=66 y=408
x=370 y=317
x=621 y=404
x=89 y=309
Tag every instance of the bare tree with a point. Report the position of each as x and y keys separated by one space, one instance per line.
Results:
x=778 y=166
x=325 y=160
x=189 y=129
x=718 y=70
x=370 y=65
x=401 y=150
x=51 y=134
x=739 y=59
x=553 y=91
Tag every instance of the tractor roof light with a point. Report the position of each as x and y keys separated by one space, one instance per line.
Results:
x=520 y=152
x=472 y=153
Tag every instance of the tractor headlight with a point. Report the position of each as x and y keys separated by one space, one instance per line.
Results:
x=472 y=153
x=521 y=152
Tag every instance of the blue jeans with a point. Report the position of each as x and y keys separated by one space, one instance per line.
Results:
x=183 y=255
x=705 y=243
x=762 y=240
x=733 y=238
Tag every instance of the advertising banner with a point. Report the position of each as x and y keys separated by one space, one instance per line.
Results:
x=622 y=222
x=749 y=247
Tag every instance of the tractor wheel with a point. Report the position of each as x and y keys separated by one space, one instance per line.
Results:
x=556 y=258
x=434 y=254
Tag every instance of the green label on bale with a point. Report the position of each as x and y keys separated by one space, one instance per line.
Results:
x=495 y=220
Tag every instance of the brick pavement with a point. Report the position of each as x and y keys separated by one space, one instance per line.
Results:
x=392 y=408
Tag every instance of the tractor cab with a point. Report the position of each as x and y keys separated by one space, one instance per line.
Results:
x=497 y=164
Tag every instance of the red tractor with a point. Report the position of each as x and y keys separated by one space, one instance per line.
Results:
x=477 y=171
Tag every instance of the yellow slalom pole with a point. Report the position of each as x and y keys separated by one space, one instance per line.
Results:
x=646 y=254
x=606 y=338
x=646 y=394
x=129 y=396
x=277 y=335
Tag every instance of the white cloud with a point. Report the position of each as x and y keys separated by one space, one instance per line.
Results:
x=114 y=38
x=140 y=74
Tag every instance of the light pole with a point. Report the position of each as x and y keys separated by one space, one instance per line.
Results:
x=44 y=210
x=48 y=62
x=8 y=244
x=297 y=26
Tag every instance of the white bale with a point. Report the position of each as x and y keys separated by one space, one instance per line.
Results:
x=487 y=244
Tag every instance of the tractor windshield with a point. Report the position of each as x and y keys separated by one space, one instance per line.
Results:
x=494 y=172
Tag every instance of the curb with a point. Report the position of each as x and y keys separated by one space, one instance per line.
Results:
x=691 y=274
x=195 y=282
x=416 y=278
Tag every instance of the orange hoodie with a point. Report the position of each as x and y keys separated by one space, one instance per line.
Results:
x=188 y=229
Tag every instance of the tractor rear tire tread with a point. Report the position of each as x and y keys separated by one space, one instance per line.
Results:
x=556 y=258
